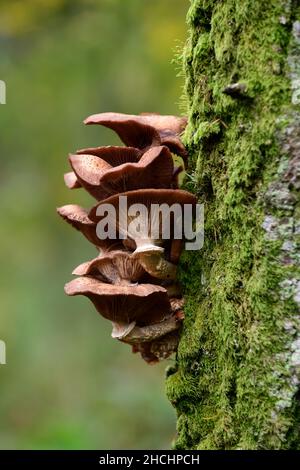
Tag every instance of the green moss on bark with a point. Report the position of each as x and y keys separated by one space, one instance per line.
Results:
x=237 y=372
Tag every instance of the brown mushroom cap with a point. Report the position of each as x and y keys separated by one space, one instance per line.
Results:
x=113 y=155
x=154 y=170
x=115 y=267
x=147 y=197
x=102 y=177
x=78 y=218
x=145 y=130
x=143 y=303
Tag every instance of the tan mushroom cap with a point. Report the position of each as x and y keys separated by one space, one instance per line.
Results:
x=143 y=303
x=77 y=216
x=115 y=267
x=102 y=177
x=144 y=130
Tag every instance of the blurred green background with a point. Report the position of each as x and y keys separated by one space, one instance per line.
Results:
x=67 y=384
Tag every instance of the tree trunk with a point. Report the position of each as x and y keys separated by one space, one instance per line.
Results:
x=236 y=379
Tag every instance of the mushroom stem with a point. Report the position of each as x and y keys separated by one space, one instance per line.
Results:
x=151 y=332
x=121 y=330
x=156 y=265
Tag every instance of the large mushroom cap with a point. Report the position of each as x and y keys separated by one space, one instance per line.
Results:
x=122 y=170
x=144 y=130
x=143 y=303
x=115 y=267
x=154 y=170
x=90 y=165
x=150 y=223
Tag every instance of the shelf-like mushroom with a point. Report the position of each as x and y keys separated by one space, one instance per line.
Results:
x=145 y=130
x=143 y=303
x=104 y=174
x=114 y=267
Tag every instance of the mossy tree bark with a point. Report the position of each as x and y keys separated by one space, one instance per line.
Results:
x=236 y=380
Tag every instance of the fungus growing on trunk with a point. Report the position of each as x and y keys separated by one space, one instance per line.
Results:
x=137 y=226
x=145 y=130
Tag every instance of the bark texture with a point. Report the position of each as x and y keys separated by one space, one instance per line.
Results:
x=235 y=384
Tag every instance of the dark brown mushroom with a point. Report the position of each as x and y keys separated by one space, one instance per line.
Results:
x=143 y=303
x=145 y=130
x=104 y=176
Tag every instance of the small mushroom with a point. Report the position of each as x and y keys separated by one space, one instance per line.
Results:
x=78 y=218
x=143 y=303
x=104 y=176
x=145 y=130
x=115 y=267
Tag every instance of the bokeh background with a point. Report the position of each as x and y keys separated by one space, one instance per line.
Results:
x=67 y=384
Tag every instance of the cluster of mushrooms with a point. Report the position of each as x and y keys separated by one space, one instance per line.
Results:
x=132 y=280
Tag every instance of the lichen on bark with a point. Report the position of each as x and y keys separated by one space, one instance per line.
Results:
x=235 y=384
